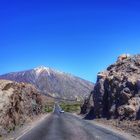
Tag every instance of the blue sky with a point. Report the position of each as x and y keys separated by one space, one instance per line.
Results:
x=81 y=37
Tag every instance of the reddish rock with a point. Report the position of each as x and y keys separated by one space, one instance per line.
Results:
x=18 y=101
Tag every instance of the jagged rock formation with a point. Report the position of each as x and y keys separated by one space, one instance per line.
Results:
x=87 y=108
x=87 y=104
x=54 y=83
x=117 y=91
x=18 y=103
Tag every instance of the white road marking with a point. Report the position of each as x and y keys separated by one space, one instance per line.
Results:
x=23 y=134
x=29 y=129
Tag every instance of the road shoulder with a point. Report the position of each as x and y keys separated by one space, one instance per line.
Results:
x=110 y=127
x=20 y=131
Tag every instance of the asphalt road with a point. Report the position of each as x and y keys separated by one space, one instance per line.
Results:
x=64 y=126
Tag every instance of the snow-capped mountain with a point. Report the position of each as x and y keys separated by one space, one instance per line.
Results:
x=53 y=82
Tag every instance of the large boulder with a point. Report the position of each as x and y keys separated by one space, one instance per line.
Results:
x=117 y=91
x=130 y=110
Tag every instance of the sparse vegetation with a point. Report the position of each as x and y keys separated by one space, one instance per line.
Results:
x=70 y=107
x=66 y=106
x=48 y=108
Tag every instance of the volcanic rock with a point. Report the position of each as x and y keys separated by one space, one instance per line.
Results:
x=53 y=83
x=117 y=91
x=18 y=103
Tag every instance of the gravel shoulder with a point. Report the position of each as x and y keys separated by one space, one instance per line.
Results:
x=117 y=130
x=131 y=128
x=128 y=129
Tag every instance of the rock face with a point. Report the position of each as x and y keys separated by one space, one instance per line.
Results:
x=87 y=104
x=117 y=91
x=18 y=103
x=54 y=83
x=87 y=108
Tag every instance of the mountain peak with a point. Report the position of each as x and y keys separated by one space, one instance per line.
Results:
x=49 y=70
x=52 y=82
x=40 y=69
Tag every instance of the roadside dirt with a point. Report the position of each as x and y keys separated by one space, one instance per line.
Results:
x=130 y=127
x=125 y=128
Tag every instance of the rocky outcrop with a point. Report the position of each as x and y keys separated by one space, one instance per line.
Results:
x=117 y=91
x=18 y=103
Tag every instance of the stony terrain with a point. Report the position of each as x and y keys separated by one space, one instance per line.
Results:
x=127 y=126
x=54 y=83
x=19 y=102
x=117 y=91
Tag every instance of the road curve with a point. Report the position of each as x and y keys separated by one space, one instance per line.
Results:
x=65 y=126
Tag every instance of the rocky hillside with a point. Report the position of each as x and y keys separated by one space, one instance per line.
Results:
x=117 y=91
x=18 y=103
x=53 y=82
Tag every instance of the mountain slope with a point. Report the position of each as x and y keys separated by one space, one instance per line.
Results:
x=53 y=82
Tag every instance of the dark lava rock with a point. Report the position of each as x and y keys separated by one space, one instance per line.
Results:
x=87 y=105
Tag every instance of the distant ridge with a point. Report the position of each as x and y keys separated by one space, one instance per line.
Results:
x=53 y=82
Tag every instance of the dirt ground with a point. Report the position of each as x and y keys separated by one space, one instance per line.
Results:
x=131 y=127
